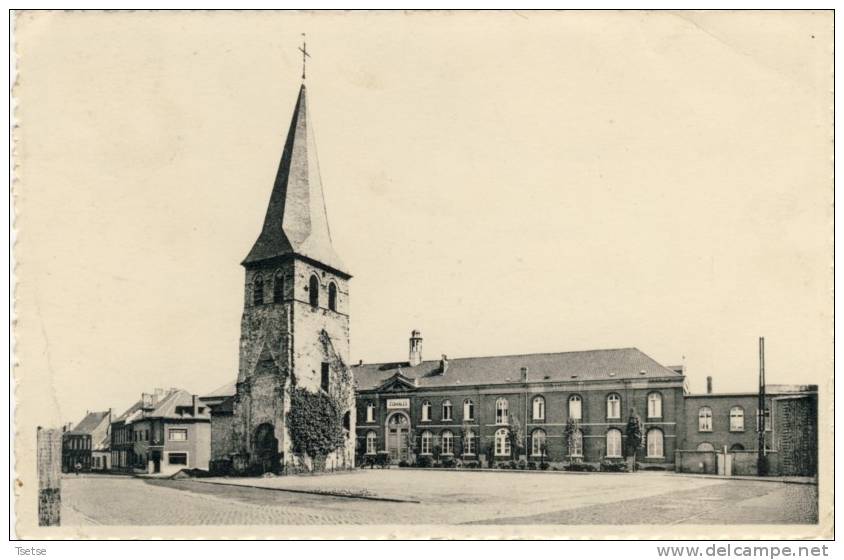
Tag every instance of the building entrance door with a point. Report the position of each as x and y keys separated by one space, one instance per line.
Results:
x=266 y=449
x=398 y=429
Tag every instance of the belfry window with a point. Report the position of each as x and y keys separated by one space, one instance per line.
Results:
x=332 y=296
x=278 y=287
x=258 y=290
x=313 y=291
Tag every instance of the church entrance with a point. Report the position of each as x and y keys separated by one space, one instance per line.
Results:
x=266 y=449
x=398 y=429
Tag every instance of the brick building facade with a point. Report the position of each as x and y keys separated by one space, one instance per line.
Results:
x=84 y=445
x=466 y=408
x=163 y=432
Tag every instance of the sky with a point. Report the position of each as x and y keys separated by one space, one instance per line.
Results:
x=507 y=183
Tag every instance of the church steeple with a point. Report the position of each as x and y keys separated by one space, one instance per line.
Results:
x=296 y=222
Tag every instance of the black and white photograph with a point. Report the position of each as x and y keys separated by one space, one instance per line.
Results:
x=423 y=274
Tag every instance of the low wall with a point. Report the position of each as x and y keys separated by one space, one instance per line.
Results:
x=700 y=462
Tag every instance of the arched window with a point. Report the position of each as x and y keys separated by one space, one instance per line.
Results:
x=501 y=411
x=576 y=445
x=704 y=419
x=427 y=438
x=370 y=412
x=655 y=443
x=446 y=410
x=613 y=406
x=613 y=443
x=426 y=411
x=448 y=443
x=537 y=445
x=737 y=419
x=575 y=407
x=654 y=405
x=469 y=443
x=468 y=410
x=332 y=296
x=258 y=290
x=278 y=287
x=371 y=443
x=538 y=408
x=502 y=443
x=705 y=447
x=313 y=291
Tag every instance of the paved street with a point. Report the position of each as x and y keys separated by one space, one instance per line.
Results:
x=436 y=497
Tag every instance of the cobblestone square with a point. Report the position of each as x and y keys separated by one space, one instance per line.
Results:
x=413 y=497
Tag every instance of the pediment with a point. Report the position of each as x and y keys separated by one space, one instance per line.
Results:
x=398 y=383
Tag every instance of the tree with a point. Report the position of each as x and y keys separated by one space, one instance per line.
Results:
x=516 y=436
x=571 y=432
x=633 y=441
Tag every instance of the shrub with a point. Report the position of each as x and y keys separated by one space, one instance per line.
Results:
x=653 y=468
x=448 y=462
x=382 y=459
x=611 y=465
x=522 y=464
x=531 y=466
x=425 y=461
x=544 y=466
x=512 y=465
x=315 y=423
x=580 y=467
x=403 y=464
x=471 y=465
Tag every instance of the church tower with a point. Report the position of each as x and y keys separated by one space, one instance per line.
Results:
x=294 y=332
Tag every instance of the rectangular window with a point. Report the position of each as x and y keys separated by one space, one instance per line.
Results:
x=177 y=458
x=177 y=434
x=370 y=413
x=325 y=377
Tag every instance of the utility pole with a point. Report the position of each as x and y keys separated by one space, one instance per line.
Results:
x=760 y=423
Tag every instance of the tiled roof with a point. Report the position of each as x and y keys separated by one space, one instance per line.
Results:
x=129 y=412
x=166 y=408
x=90 y=423
x=588 y=365
x=226 y=390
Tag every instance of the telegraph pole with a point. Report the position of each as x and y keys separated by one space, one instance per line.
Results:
x=760 y=423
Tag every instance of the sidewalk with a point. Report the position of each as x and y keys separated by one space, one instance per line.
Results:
x=784 y=479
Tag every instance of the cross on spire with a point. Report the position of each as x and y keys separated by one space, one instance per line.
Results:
x=305 y=54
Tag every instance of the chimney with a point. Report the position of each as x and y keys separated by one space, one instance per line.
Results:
x=415 y=348
x=524 y=374
x=708 y=384
x=195 y=407
x=443 y=365
x=158 y=394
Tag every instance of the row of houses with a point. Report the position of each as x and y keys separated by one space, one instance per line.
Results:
x=466 y=409
x=163 y=432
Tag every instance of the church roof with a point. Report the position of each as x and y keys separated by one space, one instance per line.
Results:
x=296 y=221
x=588 y=365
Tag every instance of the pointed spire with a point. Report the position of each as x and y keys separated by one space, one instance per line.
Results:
x=296 y=221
